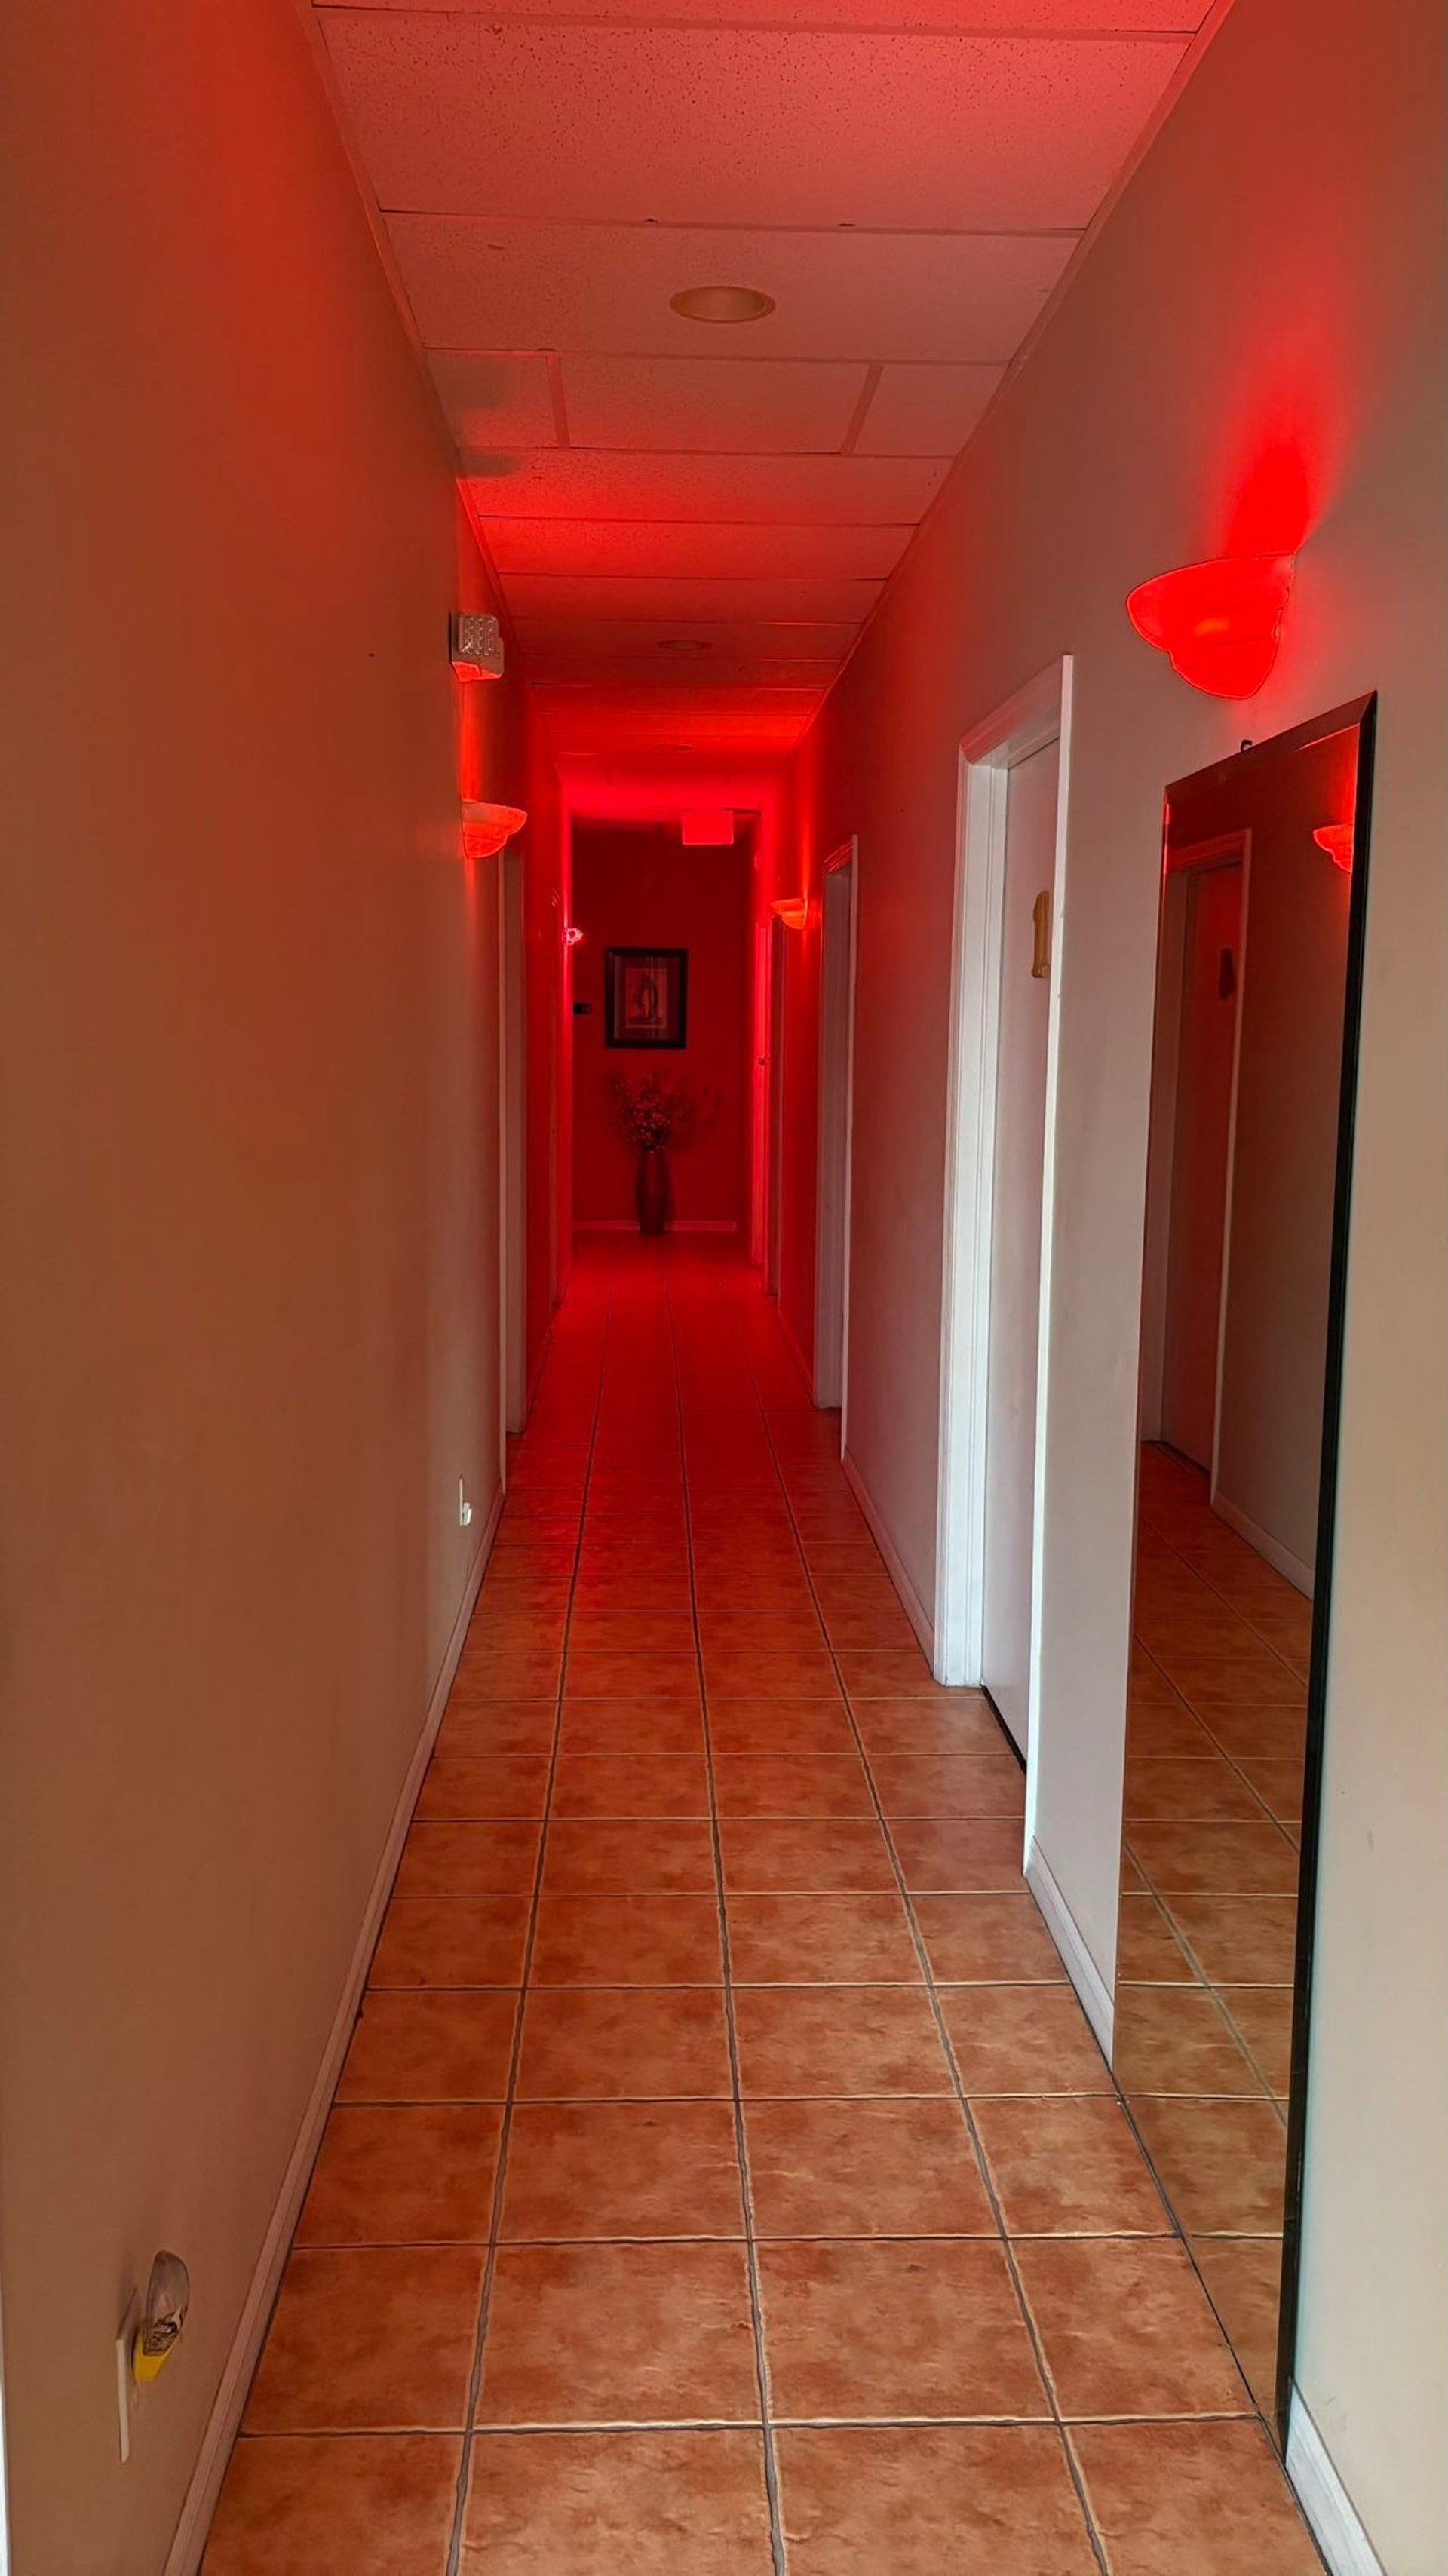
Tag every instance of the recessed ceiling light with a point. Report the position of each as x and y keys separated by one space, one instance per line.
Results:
x=722 y=303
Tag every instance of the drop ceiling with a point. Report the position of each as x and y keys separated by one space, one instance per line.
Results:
x=692 y=521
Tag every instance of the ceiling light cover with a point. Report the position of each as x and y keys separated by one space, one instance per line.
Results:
x=1218 y=623
x=487 y=827
x=722 y=303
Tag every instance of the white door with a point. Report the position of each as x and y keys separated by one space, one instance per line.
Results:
x=1201 y=1144
x=837 y=980
x=1015 y=1250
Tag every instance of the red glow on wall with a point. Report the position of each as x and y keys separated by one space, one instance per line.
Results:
x=1219 y=623
x=710 y=830
x=793 y=911
x=1337 y=840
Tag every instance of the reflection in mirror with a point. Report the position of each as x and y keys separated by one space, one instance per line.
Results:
x=1241 y=1322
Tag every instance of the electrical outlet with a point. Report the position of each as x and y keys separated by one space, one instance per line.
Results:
x=465 y=1509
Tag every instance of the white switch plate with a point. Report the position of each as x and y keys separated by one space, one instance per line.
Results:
x=465 y=1509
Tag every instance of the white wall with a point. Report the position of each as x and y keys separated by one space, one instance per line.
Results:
x=248 y=1065
x=1252 y=354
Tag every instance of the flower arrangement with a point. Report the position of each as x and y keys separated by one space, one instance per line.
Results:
x=653 y=1111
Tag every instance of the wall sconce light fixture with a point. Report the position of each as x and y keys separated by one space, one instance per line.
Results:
x=475 y=645
x=1218 y=623
x=1337 y=840
x=572 y=935
x=793 y=911
x=487 y=827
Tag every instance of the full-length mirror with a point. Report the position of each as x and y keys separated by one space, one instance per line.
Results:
x=1253 y=1068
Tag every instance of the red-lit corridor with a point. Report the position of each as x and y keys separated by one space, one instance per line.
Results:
x=720 y=2140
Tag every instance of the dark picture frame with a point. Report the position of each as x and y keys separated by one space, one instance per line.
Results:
x=646 y=997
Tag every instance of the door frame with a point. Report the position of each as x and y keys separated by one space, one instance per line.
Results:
x=835 y=1138
x=1036 y=716
x=774 y=1091
x=513 y=1171
x=1225 y=849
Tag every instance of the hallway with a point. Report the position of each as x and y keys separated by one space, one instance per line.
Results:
x=798 y=2100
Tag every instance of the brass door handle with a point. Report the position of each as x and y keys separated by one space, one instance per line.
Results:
x=1041 y=918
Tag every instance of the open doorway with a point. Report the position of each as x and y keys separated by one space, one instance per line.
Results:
x=836 y=1076
x=660 y=1015
x=1253 y=1079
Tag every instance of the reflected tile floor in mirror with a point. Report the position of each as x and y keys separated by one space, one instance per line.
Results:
x=1214 y=1767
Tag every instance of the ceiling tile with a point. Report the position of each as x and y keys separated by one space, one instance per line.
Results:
x=926 y=411
x=695 y=647
x=838 y=294
x=770 y=406
x=1014 y=17
x=601 y=723
x=688 y=125
x=550 y=665
x=690 y=550
x=841 y=603
x=495 y=403
x=577 y=482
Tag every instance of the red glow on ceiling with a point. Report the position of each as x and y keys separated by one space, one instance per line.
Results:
x=487 y=827
x=1337 y=840
x=1219 y=623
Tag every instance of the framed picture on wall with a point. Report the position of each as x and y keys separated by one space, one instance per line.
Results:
x=646 y=997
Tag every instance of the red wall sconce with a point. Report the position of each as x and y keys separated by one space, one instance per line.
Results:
x=572 y=935
x=793 y=911
x=1337 y=840
x=475 y=645
x=487 y=827
x=1218 y=623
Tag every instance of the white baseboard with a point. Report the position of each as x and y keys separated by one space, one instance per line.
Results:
x=1095 y=1994
x=1325 y=2500
x=915 y=1610
x=184 y=2556
x=1280 y=1558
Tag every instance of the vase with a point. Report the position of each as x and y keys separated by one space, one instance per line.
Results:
x=651 y=1190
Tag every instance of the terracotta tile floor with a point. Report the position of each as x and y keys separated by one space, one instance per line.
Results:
x=724 y=2180
x=1214 y=1766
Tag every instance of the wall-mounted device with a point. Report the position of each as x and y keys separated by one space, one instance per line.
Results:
x=475 y=644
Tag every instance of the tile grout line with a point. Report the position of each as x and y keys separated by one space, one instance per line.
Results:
x=741 y=2141
x=932 y=1997
x=475 y=2377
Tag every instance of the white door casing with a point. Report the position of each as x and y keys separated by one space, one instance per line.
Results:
x=1038 y=715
